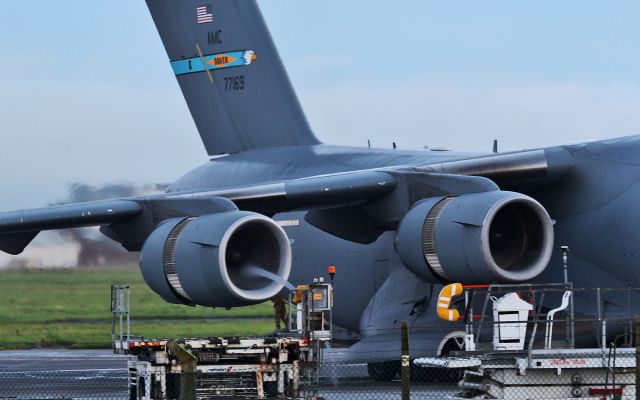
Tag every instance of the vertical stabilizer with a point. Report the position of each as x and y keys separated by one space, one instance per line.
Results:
x=230 y=74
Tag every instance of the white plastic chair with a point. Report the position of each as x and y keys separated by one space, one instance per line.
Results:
x=549 y=331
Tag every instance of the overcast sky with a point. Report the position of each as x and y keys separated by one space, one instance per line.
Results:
x=87 y=93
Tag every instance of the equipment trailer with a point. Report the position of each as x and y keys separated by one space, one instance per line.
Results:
x=221 y=368
x=283 y=365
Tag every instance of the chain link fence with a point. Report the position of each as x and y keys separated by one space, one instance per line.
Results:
x=65 y=384
x=383 y=380
x=601 y=374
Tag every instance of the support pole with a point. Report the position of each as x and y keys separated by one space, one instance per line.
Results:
x=406 y=363
x=188 y=375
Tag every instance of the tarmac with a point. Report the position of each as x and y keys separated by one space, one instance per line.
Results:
x=100 y=374
x=43 y=360
x=61 y=374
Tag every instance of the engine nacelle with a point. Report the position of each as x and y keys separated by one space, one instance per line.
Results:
x=229 y=259
x=476 y=238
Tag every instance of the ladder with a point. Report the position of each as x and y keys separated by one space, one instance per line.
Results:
x=120 y=314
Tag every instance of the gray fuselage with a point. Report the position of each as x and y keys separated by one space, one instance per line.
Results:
x=595 y=209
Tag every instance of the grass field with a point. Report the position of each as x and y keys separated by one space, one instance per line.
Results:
x=71 y=308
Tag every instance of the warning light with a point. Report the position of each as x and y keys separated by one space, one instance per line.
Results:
x=332 y=271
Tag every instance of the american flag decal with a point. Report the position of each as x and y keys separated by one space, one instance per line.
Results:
x=204 y=14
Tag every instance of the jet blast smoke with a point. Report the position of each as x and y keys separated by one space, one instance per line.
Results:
x=95 y=248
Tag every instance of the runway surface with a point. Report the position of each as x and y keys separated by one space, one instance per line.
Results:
x=48 y=374
x=59 y=359
x=99 y=374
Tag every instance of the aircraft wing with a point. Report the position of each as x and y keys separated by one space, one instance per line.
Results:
x=388 y=193
x=142 y=214
x=18 y=228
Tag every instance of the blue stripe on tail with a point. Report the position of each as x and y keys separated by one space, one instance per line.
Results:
x=213 y=61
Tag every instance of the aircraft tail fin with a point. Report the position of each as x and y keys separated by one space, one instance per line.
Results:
x=230 y=74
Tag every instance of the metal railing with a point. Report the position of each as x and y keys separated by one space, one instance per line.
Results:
x=597 y=314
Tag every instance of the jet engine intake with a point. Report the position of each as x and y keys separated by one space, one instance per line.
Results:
x=228 y=259
x=476 y=238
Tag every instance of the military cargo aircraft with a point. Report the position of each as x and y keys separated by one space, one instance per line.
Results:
x=276 y=204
